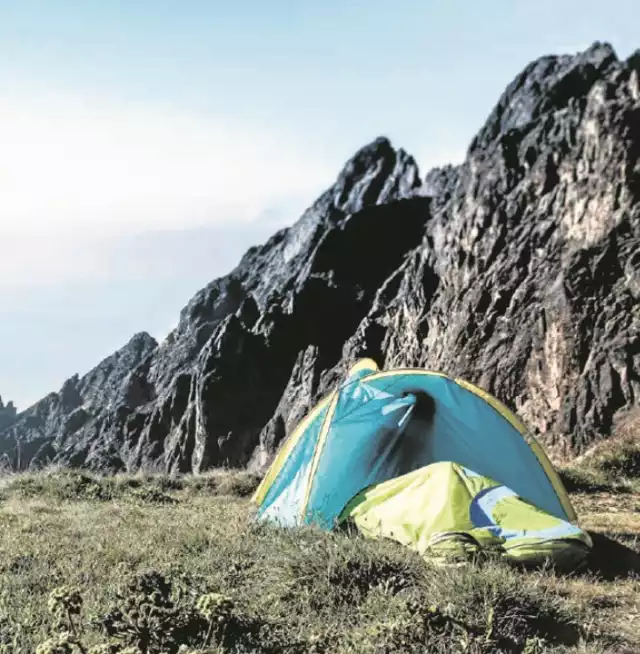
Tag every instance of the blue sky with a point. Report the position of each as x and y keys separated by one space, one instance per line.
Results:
x=144 y=146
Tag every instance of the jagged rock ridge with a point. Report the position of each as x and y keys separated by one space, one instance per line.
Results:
x=47 y=431
x=518 y=270
x=8 y=414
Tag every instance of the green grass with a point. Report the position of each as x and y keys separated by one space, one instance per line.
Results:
x=153 y=564
x=297 y=591
x=65 y=485
x=611 y=466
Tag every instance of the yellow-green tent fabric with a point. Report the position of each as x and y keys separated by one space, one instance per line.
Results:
x=377 y=427
x=445 y=510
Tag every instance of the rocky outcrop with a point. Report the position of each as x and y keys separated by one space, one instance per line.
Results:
x=8 y=414
x=49 y=430
x=527 y=283
x=518 y=270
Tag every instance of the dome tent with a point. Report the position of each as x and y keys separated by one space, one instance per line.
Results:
x=425 y=459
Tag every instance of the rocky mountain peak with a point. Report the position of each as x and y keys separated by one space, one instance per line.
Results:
x=377 y=173
x=7 y=413
x=549 y=84
x=517 y=270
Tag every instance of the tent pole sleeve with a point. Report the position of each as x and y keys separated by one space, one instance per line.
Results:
x=326 y=425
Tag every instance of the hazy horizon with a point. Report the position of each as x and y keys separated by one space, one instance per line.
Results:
x=144 y=148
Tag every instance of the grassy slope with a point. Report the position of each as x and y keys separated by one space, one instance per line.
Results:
x=306 y=591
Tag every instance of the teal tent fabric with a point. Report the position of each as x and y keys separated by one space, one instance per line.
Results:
x=373 y=433
x=283 y=502
x=361 y=448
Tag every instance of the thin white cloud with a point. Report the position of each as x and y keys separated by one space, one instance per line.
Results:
x=76 y=172
x=72 y=160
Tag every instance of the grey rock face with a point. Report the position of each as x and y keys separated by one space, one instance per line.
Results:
x=518 y=270
x=527 y=282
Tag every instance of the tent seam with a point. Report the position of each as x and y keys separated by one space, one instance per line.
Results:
x=322 y=437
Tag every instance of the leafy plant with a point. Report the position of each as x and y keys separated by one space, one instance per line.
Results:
x=146 y=617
